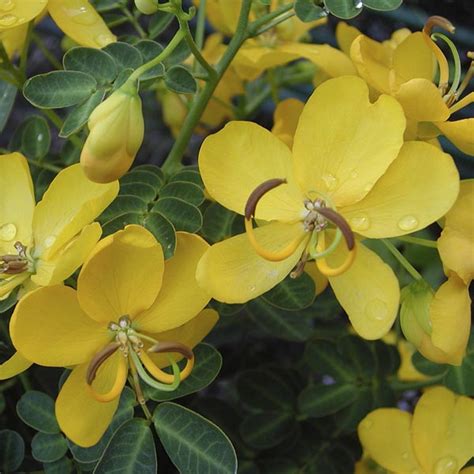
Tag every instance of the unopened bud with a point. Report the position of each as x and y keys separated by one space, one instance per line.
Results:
x=116 y=134
x=147 y=7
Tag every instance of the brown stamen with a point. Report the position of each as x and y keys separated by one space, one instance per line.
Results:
x=99 y=359
x=258 y=193
x=341 y=223
x=169 y=346
x=440 y=21
x=299 y=268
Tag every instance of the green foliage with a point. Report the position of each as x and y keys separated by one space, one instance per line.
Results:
x=12 y=450
x=180 y=80
x=36 y=409
x=307 y=10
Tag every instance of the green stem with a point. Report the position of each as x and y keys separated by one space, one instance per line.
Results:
x=254 y=27
x=172 y=45
x=46 y=53
x=8 y=67
x=45 y=166
x=200 y=24
x=274 y=23
x=418 y=241
x=133 y=21
x=24 y=51
x=173 y=161
x=403 y=261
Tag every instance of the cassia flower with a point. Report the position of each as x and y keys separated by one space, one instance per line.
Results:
x=116 y=133
x=130 y=312
x=349 y=172
x=437 y=439
x=43 y=245
x=76 y=18
x=285 y=120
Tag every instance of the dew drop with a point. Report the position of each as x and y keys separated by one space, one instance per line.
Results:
x=8 y=20
x=8 y=232
x=361 y=222
x=358 y=4
x=79 y=14
x=7 y=5
x=252 y=288
x=367 y=424
x=376 y=310
x=330 y=181
x=103 y=40
x=49 y=241
x=446 y=465
x=405 y=455
x=408 y=223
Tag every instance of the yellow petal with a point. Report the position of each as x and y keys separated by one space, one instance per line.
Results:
x=460 y=132
x=385 y=437
x=464 y=102
x=180 y=297
x=407 y=370
x=442 y=430
x=70 y=203
x=234 y=161
x=122 y=276
x=15 y=365
x=343 y=143
x=345 y=35
x=403 y=200
x=82 y=418
x=450 y=313
x=422 y=101
x=413 y=58
x=232 y=272
x=373 y=62
x=79 y=20
x=13 y=39
x=285 y=119
x=21 y=11
x=320 y=281
x=68 y=259
x=368 y=292
x=49 y=328
x=456 y=244
x=8 y=285
x=190 y=334
x=17 y=203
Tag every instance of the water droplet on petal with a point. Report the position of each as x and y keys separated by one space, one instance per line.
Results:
x=376 y=310
x=8 y=20
x=404 y=455
x=354 y=174
x=367 y=424
x=408 y=223
x=252 y=288
x=361 y=222
x=103 y=40
x=49 y=241
x=7 y=5
x=80 y=14
x=330 y=181
x=446 y=465
x=8 y=232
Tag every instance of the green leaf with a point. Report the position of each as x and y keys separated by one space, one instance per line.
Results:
x=123 y=204
x=265 y=390
x=36 y=409
x=152 y=169
x=461 y=379
x=9 y=302
x=349 y=417
x=323 y=357
x=282 y=324
x=194 y=444
x=179 y=79
x=142 y=190
x=217 y=222
x=150 y=50
x=207 y=366
x=266 y=430
x=279 y=466
x=3 y=403
x=158 y=23
x=185 y=190
x=358 y=354
x=382 y=5
x=179 y=54
x=344 y=9
x=190 y=175
x=320 y=400
x=182 y=215
x=61 y=466
x=130 y=450
x=48 y=447
x=36 y=137
x=388 y=358
x=12 y=451
x=163 y=230
x=58 y=89
x=427 y=367
x=80 y=115
x=119 y=222
x=307 y=10
x=125 y=55
x=140 y=176
x=292 y=294
x=8 y=94
x=94 y=62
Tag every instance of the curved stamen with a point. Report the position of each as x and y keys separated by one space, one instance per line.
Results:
x=161 y=375
x=340 y=223
x=335 y=242
x=328 y=271
x=119 y=382
x=99 y=359
x=250 y=209
x=467 y=78
x=169 y=346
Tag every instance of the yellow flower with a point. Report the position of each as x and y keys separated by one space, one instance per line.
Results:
x=285 y=120
x=44 y=245
x=76 y=18
x=439 y=324
x=437 y=439
x=130 y=310
x=116 y=134
x=349 y=171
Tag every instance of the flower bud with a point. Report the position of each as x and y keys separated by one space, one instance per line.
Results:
x=116 y=134
x=174 y=110
x=147 y=7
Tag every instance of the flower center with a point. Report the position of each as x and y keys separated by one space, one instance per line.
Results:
x=16 y=264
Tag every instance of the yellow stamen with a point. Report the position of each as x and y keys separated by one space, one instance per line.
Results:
x=159 y=374
x=116 y=390
x=322 y=265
